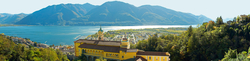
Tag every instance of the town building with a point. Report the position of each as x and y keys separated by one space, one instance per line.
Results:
x=243 y=17
x=115 y=50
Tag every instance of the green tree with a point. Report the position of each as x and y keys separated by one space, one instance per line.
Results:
x=219 y=21
x=237 y=19
x=190 y=31
x=9 y=51
x=159 y=48
x=209 y=27
x=230 y=54
x=83 y=57
x=30 y=55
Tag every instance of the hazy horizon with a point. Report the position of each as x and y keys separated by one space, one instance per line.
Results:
x=211 y=8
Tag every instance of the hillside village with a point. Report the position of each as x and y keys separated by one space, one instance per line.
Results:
x=135 y=35
x=132 y=37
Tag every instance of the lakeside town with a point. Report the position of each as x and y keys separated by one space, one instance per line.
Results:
x=132 y=37
x=135 y=35
x=69 y=50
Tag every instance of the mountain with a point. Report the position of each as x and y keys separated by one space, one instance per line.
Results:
x=110 y=13
x=58 y=15
x=203 y=18
x=6 y=18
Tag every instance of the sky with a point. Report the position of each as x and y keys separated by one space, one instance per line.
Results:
x=209 y=8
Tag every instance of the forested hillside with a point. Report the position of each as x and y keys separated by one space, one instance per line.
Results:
x=209 y=41
x=10 y=51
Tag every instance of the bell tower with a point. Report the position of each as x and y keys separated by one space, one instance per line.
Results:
x=125 y=42
x=100 y=33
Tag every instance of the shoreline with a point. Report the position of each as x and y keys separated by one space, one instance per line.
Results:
x=72 y=34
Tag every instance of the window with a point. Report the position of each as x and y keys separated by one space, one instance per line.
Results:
x=122 y=56
x=116 y=55
x=79 y=51
x=149 y=58
x=83 y=51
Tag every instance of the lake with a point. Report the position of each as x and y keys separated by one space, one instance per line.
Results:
x=65 y=35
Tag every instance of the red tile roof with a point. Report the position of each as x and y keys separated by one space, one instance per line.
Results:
x=99 y=42
x=114 y=46
x=128 y=50
x=105 y=48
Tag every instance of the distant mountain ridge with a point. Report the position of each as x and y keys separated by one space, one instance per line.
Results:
x=57 y=14
x=6 y=18
x=109 y=13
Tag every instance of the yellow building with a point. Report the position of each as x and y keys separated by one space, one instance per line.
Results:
x=115 y=50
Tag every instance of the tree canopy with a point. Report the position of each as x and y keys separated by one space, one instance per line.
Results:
x=205 y=43
x=10 y=51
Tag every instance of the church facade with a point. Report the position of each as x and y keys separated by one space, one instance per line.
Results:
x=115 y=50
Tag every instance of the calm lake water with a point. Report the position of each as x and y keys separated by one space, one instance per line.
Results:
x=65 y=35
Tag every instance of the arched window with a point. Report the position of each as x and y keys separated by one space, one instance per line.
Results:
x=83 y=51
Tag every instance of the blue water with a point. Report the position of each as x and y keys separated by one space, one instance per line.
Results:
x=64 y=35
